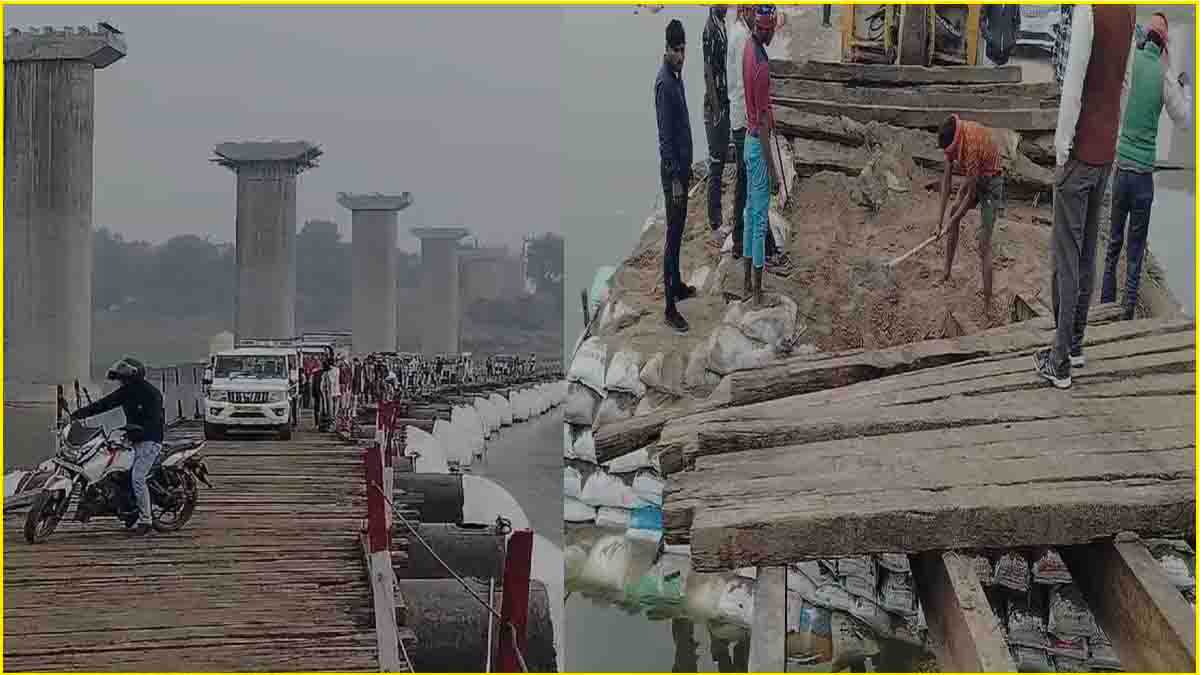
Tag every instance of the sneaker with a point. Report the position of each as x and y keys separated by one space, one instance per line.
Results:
x=676 y=321
x=1043 y=362
x=685 y=292
x=1078 y=361
x=141 y=530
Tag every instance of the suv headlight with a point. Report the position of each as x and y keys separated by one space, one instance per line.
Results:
x=218 y=395
x=276 y=396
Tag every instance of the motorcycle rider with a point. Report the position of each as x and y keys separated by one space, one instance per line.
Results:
x=142 y=403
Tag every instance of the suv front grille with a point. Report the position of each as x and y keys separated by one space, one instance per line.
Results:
x=247 y=397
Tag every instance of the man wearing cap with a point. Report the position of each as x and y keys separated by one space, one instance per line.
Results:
x=675 y=154
x=1154 y=85
x=760 y=165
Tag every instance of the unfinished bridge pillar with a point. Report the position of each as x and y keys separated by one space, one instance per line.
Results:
x=373 y=236
x=441 y=312
x=266 y=233
x=49 y=100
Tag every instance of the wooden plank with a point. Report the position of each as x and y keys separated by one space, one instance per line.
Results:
x=768 y=635
x=1152 y=627
x=963 y=98
x=966 y=634
x=896 y=75
x=1018 y=119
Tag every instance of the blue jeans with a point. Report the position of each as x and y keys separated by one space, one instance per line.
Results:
x=758 y=201
x=145 y=454
x=1133 y=195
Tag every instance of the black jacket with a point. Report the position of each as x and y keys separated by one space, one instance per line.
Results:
x=674 y=125
x=142 y=404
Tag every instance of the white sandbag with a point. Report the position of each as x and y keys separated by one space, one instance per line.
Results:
x=623 y=374
x=483 y=409
x=484 y=499
x=858 y=575
x=697 y=376
x=648 y=488
x=703 y=596
x=601 y=489
x=729 y=350
x=575 y=511
x=894 y=562
x=608 y=564
x=574 y=558
x=631 y=462
x=664 y=373
x=587 y=368
x=582 y=405
x=612 y=518
x=770 y=325
x=572 y=482
x=12 y=480
x=579 y=444
x=736 y=605
x=428 y=454
x=444 y=433
x=615 y=407
x=600 y=288
x=1177 y=560
x=653 y=401
x=547 y=567
x=662 y=586
x=617 y=316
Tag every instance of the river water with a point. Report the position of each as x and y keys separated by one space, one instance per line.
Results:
x=609 y=59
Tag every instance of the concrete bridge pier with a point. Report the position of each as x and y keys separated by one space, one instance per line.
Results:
x=266 y=233
x=373 y=236
x=49 y=100
x=442 y=316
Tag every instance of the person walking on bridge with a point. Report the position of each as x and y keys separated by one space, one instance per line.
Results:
x=142 y=404
x=675 y=155
x=1085 y=145
x=1154 y=85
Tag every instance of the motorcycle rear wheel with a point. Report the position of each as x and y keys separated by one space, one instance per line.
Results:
x=183 y=484
x=44 y=516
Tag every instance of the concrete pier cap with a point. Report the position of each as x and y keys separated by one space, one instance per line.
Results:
x=373 y=246
x=101 y=46
x=266 y=232
x=441 y=314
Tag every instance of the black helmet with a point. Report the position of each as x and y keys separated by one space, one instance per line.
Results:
x=127 y=368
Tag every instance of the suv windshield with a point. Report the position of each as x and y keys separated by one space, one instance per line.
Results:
x=256 y=367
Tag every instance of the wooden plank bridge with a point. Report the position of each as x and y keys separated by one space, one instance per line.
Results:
x=268 y=575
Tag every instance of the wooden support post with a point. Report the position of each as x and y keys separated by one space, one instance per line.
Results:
x=768 y=635
x=1151 y=626
x=966 y=632
x=514 y=607
x=379 y=565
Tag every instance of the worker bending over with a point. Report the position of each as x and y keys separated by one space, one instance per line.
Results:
x=971 y=152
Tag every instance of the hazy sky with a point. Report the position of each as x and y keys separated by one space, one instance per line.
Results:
x=457 y=105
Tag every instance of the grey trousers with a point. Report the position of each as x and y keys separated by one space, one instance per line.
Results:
x=1078 y=195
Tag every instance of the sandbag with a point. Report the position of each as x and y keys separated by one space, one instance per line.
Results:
x=624 y=375
x=699 y=278
x=582 y=405
x=728 y=350
x=648 y=488
x=983 y=570
x=612 y=518
x=615 y=407
x=894 y=562
x=663 y=373
x=587 y=368
x=858 y=575
x=631 y=462
x=579 y=444
x=702 y=596
x=645 y=524
x=607 y=565
x=617 y=316
x=572 y=482
x=697 y=376
x=770 y=325
x=736 y=604
x=1177 y=560
x=1050 y=569
x=575 y=511
x=1012 y=572
x=1069 y=614
x=1025 y=625
x=601 y=489
x=897 y=593
x=662 y=586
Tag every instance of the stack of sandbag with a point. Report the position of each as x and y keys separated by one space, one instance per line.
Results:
x=1047 y=623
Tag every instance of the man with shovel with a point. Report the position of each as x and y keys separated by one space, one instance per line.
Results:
x=971 y=151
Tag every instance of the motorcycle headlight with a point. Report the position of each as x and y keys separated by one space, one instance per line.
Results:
x=218 y=395
x=276 y=396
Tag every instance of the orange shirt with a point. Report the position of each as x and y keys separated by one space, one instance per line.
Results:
x=978 y=155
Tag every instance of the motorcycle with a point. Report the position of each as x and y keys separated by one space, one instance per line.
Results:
x=94 y=465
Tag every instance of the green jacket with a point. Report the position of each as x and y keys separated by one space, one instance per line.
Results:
x=1153 y=86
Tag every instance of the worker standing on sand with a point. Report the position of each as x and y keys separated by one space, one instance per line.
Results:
x=760 y=164
x=972 y=152
x=675 y=154
x=716 y=110
x=1085 y=144
x=1153 y=86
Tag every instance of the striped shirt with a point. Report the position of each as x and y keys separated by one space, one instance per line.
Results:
x=978 y=155
x=1062 y=42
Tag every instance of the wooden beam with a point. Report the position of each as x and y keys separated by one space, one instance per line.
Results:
x=768 y=635
x=1150 y=624
x=1011 y=96
x=1019 y=119
x=896 y=75
x=967 y=635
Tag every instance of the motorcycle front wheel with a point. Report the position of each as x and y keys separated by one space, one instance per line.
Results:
x=181 y=496
x=44 y=516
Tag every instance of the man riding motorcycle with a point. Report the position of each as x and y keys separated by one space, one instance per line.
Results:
x=142 y=403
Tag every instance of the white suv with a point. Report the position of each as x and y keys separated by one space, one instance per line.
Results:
x=250 y=388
